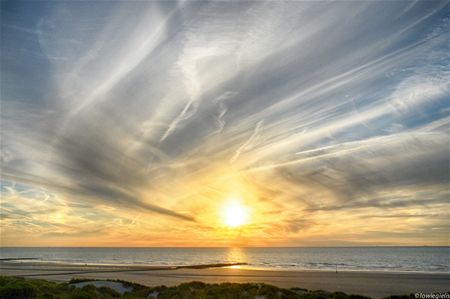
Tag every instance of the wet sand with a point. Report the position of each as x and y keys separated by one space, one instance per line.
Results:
x=373 y=284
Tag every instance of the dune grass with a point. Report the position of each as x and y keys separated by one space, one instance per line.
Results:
x=19 y=288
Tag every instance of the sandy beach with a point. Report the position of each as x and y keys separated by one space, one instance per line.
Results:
x=373 y=284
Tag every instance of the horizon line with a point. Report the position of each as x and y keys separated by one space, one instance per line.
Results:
x=202 y=247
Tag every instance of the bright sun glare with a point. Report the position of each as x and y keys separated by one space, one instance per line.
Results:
x=234 y=214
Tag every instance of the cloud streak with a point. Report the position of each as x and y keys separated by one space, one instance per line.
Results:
x=299 y=107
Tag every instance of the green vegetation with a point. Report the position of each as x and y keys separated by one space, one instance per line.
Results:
x=19 y=288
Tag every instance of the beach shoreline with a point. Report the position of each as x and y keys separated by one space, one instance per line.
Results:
x=235 y=265
x=372 y=284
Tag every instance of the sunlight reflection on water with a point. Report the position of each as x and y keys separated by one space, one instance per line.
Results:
x=236 y=255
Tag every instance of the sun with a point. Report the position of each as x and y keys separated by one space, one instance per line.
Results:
x=234 y=214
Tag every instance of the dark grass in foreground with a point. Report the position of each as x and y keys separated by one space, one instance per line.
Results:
x=13 y=287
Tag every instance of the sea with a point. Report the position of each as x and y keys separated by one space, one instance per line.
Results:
x=390 y=259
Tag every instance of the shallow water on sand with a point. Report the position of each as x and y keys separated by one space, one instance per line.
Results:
x=391 y=259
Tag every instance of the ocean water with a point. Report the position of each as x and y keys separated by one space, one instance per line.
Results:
x=394 y=259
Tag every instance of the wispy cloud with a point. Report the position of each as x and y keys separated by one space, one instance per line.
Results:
x=153 y=113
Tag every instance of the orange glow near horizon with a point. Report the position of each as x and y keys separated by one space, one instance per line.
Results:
x=229 y=207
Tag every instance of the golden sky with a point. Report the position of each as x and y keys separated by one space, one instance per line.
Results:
x=224 y=123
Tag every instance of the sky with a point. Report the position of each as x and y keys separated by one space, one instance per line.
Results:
x=141 y=123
